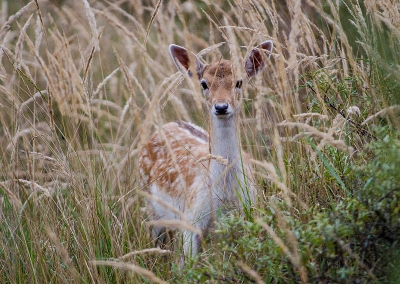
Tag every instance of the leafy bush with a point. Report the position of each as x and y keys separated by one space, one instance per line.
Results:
x=347 y=243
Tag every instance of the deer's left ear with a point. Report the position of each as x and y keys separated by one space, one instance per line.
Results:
x=256 y=60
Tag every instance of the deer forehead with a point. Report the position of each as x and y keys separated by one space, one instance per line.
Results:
x=219 y=74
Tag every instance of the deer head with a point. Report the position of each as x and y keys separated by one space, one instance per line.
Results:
x=219 y=81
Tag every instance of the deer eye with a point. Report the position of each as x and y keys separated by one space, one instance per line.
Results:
x=239 y=84
x=203 y=84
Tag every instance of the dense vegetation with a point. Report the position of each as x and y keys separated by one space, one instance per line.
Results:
x=84 y=83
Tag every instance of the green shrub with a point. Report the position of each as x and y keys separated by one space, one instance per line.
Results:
x=354 y=241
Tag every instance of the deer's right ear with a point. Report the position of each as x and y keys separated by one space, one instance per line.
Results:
x=182 y=59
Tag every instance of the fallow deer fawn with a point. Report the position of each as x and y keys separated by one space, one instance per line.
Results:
x=173 y=163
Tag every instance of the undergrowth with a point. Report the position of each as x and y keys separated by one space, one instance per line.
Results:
x=354 y=240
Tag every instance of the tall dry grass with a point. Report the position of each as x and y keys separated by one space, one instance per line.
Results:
x=84 y=83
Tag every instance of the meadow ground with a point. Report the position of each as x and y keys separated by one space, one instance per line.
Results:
x=84 y=83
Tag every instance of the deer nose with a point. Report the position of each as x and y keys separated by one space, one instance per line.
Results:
x=221 y=108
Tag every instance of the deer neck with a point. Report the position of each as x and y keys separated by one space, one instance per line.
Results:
x=224 y=139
